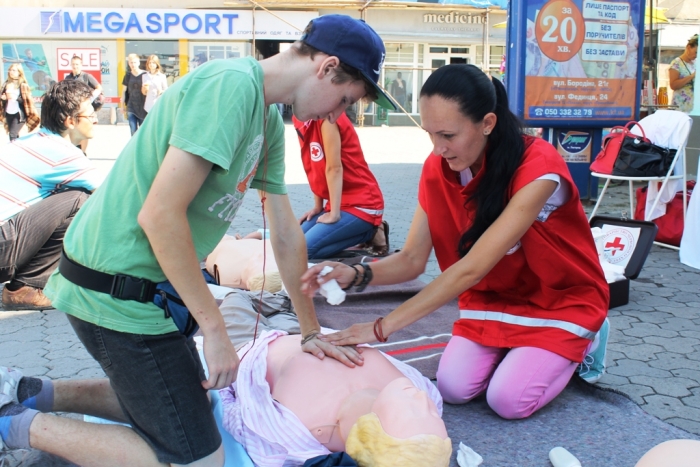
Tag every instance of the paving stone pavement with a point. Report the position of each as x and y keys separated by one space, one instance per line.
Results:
x=654 y=346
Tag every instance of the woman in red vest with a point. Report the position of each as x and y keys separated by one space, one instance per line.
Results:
x=339 y=177
x=503 y=215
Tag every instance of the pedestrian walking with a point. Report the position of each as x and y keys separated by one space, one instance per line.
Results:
x=132 y=95
x=16 y=103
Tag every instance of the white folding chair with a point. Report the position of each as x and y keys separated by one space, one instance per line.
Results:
x=666 y=128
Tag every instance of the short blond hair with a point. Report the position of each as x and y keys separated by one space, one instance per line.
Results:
x=273 y=282
x=370 y=446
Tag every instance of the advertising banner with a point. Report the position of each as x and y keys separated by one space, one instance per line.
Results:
x=145 y=23
x=575 y=146
x=45 y=62
x=581 y=61
x=36 y=68
x=91 y=58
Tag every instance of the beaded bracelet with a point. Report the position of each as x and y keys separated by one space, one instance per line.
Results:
x=310 y=336
x=366 y=277
x=378 y=331
x=352 y=282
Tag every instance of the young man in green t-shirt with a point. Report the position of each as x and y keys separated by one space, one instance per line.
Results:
x=167 y=202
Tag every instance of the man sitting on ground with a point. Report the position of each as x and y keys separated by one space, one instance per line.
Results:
x=44 y=179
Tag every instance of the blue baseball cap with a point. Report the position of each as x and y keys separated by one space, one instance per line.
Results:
x=355 y=43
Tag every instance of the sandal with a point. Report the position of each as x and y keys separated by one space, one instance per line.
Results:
x=381 y=250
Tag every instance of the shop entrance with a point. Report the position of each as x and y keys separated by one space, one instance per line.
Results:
x=447 y=55
x=168 y=53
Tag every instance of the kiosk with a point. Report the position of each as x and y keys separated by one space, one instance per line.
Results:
x=574 y=68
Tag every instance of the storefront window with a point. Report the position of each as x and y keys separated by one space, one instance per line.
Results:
x=496 y=53
x=203 y=52
x=399 y=83
x=48 y=61
x=168 y=53
x=399 y=72
x=399 y=52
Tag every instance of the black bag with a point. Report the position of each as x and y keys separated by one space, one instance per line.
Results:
x=639 y=157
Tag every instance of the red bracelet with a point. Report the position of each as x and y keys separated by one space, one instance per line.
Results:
x=378 y=330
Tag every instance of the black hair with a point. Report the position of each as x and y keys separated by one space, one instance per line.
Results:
x=693 y=41
x=63 y=100
x=477 y=95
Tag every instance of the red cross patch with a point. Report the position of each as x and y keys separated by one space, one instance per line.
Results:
x=316 y=151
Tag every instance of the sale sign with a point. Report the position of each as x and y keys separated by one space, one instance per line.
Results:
x=91 y=58
x=581 y=60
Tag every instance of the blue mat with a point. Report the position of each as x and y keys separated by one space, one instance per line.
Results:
x=235 y=454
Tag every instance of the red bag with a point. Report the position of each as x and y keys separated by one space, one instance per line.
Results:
x=605 y=160
x=670 y=224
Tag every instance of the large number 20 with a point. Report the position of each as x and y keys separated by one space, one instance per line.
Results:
x=552 y=22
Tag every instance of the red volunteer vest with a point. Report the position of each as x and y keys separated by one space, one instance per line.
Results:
x=361 y=195
x=549 y=291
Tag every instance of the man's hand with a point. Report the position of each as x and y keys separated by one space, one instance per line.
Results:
x=309 y=214
x=328 y=218
x=347 y=355
x=222 y=360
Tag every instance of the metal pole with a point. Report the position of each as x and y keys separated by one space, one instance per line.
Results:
x=361 y=103
x=487 y=48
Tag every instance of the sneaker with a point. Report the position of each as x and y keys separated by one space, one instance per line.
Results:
x=593 y=366
x=25 y=298
x=9 y=382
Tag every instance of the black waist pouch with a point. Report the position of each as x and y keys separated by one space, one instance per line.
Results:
x=167 y=298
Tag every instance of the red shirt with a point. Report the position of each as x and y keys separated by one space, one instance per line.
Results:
x=361 y=195
x=549 y=291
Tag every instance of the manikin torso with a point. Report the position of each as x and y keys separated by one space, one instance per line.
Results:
x=329 y=397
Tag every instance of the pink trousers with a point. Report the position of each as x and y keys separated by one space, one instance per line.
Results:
x=517 y=381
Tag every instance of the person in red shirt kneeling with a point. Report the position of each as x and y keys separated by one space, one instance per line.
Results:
x=503 y=215
x=339 y=176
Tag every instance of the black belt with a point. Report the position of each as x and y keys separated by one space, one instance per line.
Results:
x=118 y=286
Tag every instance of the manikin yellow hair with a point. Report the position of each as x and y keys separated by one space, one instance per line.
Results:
x=273 y=282
x=370 y=446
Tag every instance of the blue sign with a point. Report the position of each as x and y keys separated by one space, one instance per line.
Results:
x=114 y=22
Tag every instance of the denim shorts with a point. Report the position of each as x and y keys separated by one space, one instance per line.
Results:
x=158 y=381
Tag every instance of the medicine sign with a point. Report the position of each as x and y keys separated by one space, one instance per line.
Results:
x=575 y=62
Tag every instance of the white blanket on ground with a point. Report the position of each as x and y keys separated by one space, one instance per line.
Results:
x=270 y=433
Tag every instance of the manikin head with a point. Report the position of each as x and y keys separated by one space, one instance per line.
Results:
x=403 y=427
